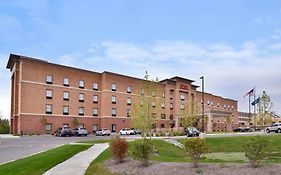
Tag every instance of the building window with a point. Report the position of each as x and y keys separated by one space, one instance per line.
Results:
x=153 y=93
x=171 y=106
x=81 y=111
x=162 y=125
x=141 y=102
x=154 y=115
x=95 y=86
x=113 y=99
x=95 y=127
x=113 y=87
x=228 y=107
x=113 y=111
x=153 y=104
x=128 y=112
x=65 y=110
x=129 y=89
x=95 y=112
x=171 y=117
x=182 y=106
x=48 y=127
x=66 y=96
x=208 y=102
x=163 y=116
x=182 y=97
x=49 y=94
x=81 y=126
x=224 y=106
x=81 y=84
x=49 y=79
x=232 y=108
x=171 y=96
x=142 y=91
x=218 y=105
x=163 y=105
x=81 y=97
x=212 y=103
x=95 y=99
x=49 y=109
x=66 y=81
x=163 y=95
x=129 y=101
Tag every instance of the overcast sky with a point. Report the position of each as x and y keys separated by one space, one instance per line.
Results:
x=235 y=44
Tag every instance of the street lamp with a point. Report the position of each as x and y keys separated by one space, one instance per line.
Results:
x=202 y=78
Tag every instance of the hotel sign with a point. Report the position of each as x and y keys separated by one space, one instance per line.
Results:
x=184 y=87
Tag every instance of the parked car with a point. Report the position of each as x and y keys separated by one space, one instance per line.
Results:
x=103 y=132
x=243 y=129
x=137 y=131
x=192 y=132
x=79 y=132
x=64 y=131
x=126 y=131
x=274 y=128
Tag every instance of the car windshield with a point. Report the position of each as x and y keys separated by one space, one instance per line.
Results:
x=192 y=129
x=66 y=128
x=82 y=128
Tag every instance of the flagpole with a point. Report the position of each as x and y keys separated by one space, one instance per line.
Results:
x=255 y=99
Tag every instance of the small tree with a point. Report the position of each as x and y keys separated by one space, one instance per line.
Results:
x=143 y=150
x=265 y=110
x=118 y=148
x=75 y=122
x=257 y=151
x=195 y=149
x=4 y=125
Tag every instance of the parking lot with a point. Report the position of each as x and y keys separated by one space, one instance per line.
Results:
x=15 y=148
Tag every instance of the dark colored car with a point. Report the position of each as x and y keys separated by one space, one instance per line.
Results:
x=79 y=132
x=64 y=131
x=241 y=129
x=192 y=132
x=137 y=131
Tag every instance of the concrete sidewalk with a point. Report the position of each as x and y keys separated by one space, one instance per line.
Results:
x=8 y=136
x=79 y=163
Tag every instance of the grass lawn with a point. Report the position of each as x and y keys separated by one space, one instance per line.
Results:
x=94 y=141
x=40 y=163
x=222 y=150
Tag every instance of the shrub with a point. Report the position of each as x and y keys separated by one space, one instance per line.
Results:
x=142 y=151
x=195 y=149
x=257 y=151
x=118 y=149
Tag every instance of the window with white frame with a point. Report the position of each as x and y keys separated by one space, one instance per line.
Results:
x=163 y=116
x=218 y=104
x=81 y=97
x=129 y=89
x=163 y=105
x=182 y=97
x=129 y=101
x=95 y=99
x=95 y=86
x=81 y=111
x=153 y=93
x=65 y=110
x=171 y=96
x=49 y=79
x=153 y=103
x=66 y=81
x=81 y=84
x=95 y=112
x=49 y=94
x=212 y=103
x=171 y=106
x=113 y=87
x=65 y=96
x=182 y=106
x=49 y=109
x=113 y=99
x=113 y=112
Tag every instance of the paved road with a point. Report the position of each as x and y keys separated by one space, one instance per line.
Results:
x=15 y=148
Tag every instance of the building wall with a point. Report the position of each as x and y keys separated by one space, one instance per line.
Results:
x=29 y=98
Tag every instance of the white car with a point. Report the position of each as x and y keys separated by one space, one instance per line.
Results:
x=102 y=132
x=126 y=131
x=274 y=128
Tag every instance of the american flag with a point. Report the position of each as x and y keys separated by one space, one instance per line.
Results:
x=250 y=93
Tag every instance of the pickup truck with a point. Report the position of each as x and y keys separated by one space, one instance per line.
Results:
x=274 y=128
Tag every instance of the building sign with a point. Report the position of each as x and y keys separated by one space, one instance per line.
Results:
x=183 y=86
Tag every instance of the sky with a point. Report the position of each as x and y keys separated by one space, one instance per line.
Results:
x=234 y=44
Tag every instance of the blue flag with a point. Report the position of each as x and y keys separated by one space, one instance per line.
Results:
x=256 y=101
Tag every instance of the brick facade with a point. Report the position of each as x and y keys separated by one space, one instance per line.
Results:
x=29 y=99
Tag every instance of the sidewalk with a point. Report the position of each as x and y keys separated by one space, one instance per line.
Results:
x=79 y=163
x=8 y=136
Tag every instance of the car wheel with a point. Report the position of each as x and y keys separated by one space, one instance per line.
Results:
x=268 y=131
x=279 y=130
x=60 y=135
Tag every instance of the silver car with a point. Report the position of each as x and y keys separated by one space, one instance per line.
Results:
x=103 y=132
x=79 y=132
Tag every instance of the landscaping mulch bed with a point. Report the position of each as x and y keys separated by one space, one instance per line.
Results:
x=132 y=167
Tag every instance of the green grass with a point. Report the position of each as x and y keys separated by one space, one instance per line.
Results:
x=40 y=163
x=94 y=141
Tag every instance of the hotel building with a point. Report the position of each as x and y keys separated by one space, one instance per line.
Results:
x=46 y=96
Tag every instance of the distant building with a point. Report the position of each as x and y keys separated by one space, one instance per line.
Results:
x=45 y=96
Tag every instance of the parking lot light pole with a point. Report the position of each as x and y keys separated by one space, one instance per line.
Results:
x=202 y=78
